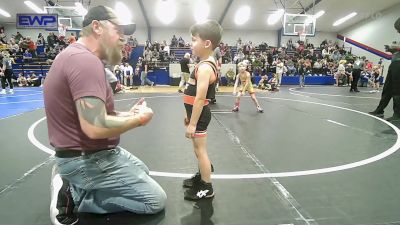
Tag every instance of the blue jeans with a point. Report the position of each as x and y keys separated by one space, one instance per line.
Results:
x=112 y=181
x=144 y=80
x=302 y=79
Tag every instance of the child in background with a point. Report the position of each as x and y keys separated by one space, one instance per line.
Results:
x=245 y=85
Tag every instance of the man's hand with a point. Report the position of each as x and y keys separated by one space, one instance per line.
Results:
x=145 y=113
x=135 y=108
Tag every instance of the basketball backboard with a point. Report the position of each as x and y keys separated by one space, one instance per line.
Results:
x=293 y=24
x=67 y=16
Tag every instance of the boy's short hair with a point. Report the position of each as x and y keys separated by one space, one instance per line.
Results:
x=242 y=64
x=208 y=30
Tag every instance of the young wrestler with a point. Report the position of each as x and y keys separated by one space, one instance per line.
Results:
x=376 y=74
x=201 y=87
x=245 y=85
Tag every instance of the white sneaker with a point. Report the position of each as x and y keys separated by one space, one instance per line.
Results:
x=11 y=91
x=3 y=92
x=61 y=204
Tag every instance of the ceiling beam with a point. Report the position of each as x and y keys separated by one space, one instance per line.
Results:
x=228 y=5
x=312 y=5
x=144 y=12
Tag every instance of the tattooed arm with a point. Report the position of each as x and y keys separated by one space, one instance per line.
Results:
x=96 y=124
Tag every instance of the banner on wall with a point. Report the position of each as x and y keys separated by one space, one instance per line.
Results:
x=35 y=21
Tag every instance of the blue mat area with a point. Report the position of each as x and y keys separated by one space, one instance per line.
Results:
x=23 y=100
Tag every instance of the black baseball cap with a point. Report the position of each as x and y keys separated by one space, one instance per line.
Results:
x=397 y=24
x=106 y=13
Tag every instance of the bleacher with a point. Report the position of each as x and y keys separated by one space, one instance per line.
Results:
x=180 y=51
x=38 y=65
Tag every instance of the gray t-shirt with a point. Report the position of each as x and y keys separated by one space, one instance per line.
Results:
x=110 y=76
x=75 y=73
x=358 y=65
x=217 y=53
x=7 y=62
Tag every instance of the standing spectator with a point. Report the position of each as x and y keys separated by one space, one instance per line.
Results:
x=376 y=75
x=302 y=75
x=6 y=73
x=31 y=46
x=349 y=74
x=18 y=37
x=174 y=41
x=51 y=40
x=143 y=75
x=391 y=88
x=218 y=60
x=127 y=50
x=2 y=36
x=279 y=71
x=358 y=66
x=185 y=72
x=130 y=41
x=118 y=71
x=181 y=42
x=112 y=79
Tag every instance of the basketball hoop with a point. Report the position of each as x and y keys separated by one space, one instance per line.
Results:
x=302 y=36
x=62 y=31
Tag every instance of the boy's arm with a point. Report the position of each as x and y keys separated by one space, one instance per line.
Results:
x=236 y=83
x=204 y=74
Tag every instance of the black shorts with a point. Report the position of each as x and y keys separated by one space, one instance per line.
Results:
x=204 y=119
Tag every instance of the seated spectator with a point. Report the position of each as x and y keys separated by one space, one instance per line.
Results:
x=317 y=68
x=166 y=49
x=27 y=56
x=263 y=83
x=238 y=57
x=291 y=67
x=366 y=78
x=274 y=83
x=230 y=76
x=33 y=80
x=14 y=47
x=71 y=39
x=324 y=43
x=31 y=46
x=349 y=74
x=341 y=73
x=22 y=81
